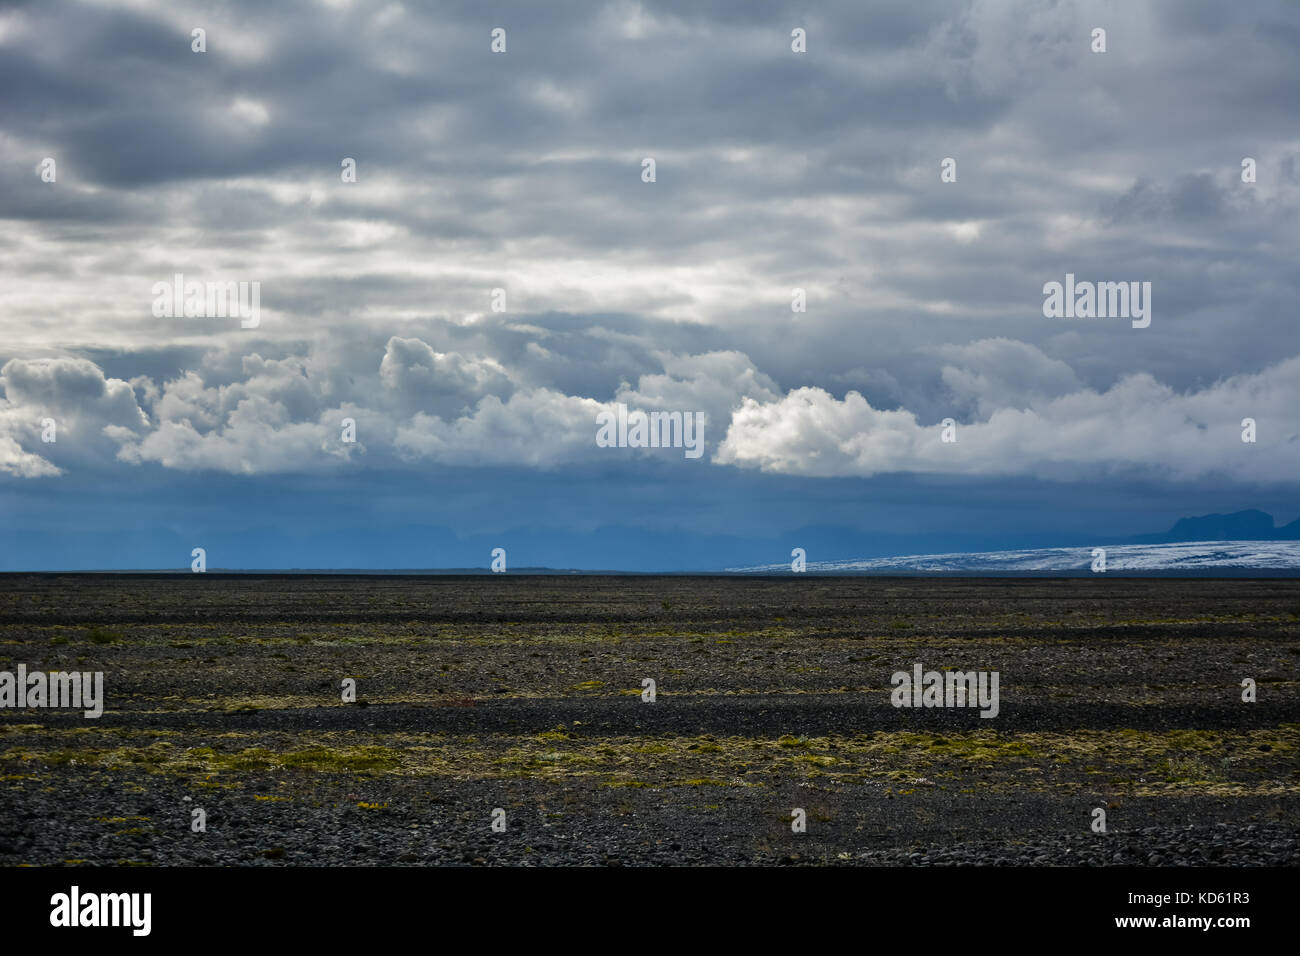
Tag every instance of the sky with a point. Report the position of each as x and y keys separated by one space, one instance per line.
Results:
x=503 y=271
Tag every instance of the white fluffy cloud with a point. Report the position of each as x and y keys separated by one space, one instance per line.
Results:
x=15 y=461
x=538 y=428
x=1018 y=411
x=278 y=417
x=438 y=382
x=413 y=406
x=86 y=408
x=1138 y=423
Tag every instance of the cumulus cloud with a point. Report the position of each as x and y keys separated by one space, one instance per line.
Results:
x=71 y=401
x=15 y=461
x=530 y=429
x=542 y=427
x=411 y=405
x=277 y=417
x=1138 y=424
x=72 y=386
x=254 y=439
x=712 y=383
x=438 y=382
x=1019 y=411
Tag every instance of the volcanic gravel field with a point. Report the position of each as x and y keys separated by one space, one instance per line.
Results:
x=524 y=693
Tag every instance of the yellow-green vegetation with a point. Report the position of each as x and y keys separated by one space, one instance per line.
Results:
x=559 y=733
x=233 y=705
x=363 y=759
x=1188 y=770
x=103 y=635
x=1138 y=762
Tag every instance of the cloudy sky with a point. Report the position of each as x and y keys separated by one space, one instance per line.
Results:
x=524 y=171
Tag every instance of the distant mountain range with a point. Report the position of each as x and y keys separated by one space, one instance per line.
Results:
x=1251 y=525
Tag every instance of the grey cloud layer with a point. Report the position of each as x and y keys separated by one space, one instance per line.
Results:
x=522 y=171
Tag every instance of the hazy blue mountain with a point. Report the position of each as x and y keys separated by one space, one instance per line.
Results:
x=1250 y=525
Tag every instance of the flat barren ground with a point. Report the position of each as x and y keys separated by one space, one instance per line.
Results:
x=524 y=693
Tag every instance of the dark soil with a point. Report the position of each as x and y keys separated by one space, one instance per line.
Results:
x=524 y=693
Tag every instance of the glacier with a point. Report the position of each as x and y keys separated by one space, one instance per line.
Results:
x=1184 y=556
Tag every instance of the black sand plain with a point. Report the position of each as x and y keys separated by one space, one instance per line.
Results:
x=524 y=693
